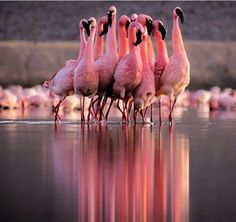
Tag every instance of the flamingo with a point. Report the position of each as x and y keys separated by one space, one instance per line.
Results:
x=85 y=73
x=107 y=63
x=124 y=23
x=144 y=94
x=61 y=83
x=147 y=21
x=128 y=74
x=176 y=75
x=159 y=32
x=102 y=28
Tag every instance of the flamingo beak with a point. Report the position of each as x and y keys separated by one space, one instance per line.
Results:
x=163 y=31
x=105 y=29
x=126 y=27
x=139 y=37
x=86 y=27
x=149 y=25
x=109 y=16
x=180 y=13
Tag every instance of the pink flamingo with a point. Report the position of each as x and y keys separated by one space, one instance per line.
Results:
x=102 y=28
x=128 y=74
x=176 y=75
x=159 y=33
x=85 y=73
x=133 y=17
x=107 y=63
x=124 y=23
x=147 y=21
x=144 y=94
x=61 y=83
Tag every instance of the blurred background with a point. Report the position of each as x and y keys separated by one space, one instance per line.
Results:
x=36 y=38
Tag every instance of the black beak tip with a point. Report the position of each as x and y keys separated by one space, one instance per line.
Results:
x=139 y=38
x=180 y=13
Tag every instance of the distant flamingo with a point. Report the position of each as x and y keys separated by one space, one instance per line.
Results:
x=102 y=28
x=128 y=73
x=85 y=74
x=162 y=60
x=61 y=83
x=177 y=72
x=144 y=94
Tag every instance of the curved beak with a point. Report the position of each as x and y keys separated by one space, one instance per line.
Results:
x=105 y=29
x=180 y=13
x=149 y=25
x=109 y=16
x=138 y=37
x=86 y=27
x=126 y=27
x=163 y=31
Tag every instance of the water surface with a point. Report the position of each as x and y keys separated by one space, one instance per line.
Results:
x=116 y=172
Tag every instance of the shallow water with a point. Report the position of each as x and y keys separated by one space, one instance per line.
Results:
x=115 y=172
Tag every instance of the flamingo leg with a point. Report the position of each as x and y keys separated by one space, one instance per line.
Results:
x=98 y=106
x=82 y=111
x=129 y=111
x=151 y=119
x=135 y=116
x=170 y=115
x=160 y=119
x=90 y=110
x=56 y=109
x=143 y=115
x=102 y=108
x=106 y=116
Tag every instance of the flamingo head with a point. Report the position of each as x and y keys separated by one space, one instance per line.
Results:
x=133 y=17
x=159 y=28
x=103 y=25
x=125 y=21
x=85 y=25
x=179 y=13
x=146 y=20
x=140 y=32
x=92 y=23
x=111 y=14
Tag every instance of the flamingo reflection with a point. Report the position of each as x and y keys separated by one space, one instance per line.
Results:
x=124 y=173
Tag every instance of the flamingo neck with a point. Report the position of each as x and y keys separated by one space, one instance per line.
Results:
x=177 y=40
x=99 y=42
x=123 y=42
x=111 y=45
x=88 y=52
x=144 y=54
x=162 y=50
x=82 y=44
x=150 y=47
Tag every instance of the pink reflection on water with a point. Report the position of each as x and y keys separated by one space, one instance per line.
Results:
x=123 y=173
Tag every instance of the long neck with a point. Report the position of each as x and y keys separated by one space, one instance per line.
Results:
x=82 y=43
x=88 y=52
x=150 y=47
x=111 y=45
x=132 y=48
x=99 y=41
x=123 y=42
x=177 y=41
x=162 y=50
x=144 y=54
